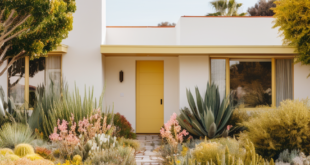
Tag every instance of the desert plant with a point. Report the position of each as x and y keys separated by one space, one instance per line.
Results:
x=77 y=159
x=217 y=153
x=287 y=157
x=129 y=143
x=5 y=151
x=45 y=153
x=208 y=116
x=119 y=155
x=33 y=157
x=90 y=129
x=276 y=130
x=53 y=105
x=123 y=127
x=7 y=160
x=12 y=134
x=23 y=150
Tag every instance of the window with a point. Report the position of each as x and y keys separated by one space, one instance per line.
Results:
x=254 y=82
x=41 y=72
x=16 y=81
x=250 y=82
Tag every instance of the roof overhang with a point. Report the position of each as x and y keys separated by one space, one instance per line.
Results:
x=179 y=50
x=61 y=49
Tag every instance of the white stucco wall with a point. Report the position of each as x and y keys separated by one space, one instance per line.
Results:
x=201 y=31
x=141 y=36
x=4 y=80
x=126 y=104
x=194 y=71
x=228 y=31
x=301 y=82
x=83 y=64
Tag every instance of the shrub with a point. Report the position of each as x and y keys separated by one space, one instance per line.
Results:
x=293 y=21
x=123 y=127
x=208 y=116
x=12 y=134
x=4 y=151
x=130 y=143
x=23 y=150
x=217 y=153
x=119 y=155
x=276 y=130
x=34 y=157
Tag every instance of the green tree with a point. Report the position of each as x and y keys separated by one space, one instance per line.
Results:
x=262 y=8
x=226 y=8
x=32 y=28
x=293 y=21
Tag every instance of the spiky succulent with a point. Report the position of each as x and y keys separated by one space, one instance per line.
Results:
x=208 y=116
x=12 y=134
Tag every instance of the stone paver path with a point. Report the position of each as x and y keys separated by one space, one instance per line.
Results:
x=147 y=156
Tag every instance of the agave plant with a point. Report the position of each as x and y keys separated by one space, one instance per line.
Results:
x=208 y=116
x=11 y=113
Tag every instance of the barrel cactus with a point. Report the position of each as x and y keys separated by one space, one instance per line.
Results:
x=5 y=151
x=208 y=116
x=23 y=150
x=34 y=157
x=13 y=157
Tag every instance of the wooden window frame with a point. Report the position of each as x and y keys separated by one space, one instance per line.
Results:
x=273 y=77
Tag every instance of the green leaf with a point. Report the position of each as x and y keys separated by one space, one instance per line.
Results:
x=212 y=130
x=209 y=119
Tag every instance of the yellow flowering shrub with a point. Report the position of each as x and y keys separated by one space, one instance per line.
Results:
x=276 y=130
x=293 y=20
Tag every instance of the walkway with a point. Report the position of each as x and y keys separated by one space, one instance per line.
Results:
x=148 y=143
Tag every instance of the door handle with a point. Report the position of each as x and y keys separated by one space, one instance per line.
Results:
x=161 y=101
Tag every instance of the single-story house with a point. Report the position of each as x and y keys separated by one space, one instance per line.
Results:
x=146 y=70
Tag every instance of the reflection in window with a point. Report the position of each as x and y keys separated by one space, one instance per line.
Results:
x=16 y=81
x=250 y=82
x=36 y=78
x=43 y=71
x=53 y=72
x=218 y=75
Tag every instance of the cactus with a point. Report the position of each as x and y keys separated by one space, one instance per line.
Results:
x=23 y=150
x=34 y=157
x=4 y=151
x=77 y=159
x=13 y=157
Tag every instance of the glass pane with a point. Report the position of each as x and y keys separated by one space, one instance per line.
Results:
x=250 y=82
x=16 y=82
x=218 y=75
x=284 y=80
x=36 y=78
x=53 y=72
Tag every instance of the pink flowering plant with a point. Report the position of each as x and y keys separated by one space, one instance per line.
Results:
x=69 y=140
x=173 y=133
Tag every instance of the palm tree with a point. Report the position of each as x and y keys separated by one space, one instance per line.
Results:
x=226 y=8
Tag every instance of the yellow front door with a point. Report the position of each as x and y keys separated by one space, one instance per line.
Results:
x=150 y=95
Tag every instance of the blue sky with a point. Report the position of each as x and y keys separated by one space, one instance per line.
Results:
x=152 y=12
